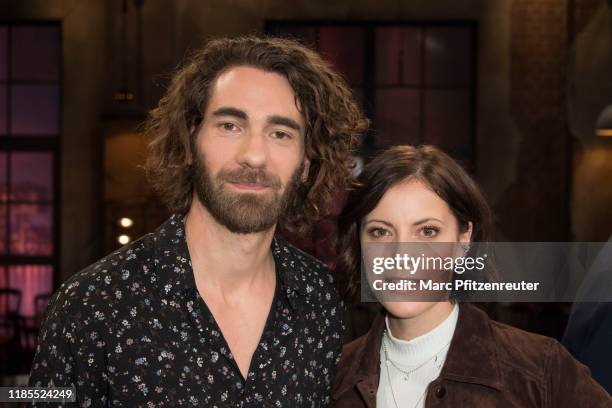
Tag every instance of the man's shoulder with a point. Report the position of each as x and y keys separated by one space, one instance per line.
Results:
x=105 y=282
x=310 y=274
x=307 y=263
x=313 y=280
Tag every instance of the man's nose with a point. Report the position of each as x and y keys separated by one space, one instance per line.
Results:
x=253 y=150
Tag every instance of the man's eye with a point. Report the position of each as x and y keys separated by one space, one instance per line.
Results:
x=229 y=127
x=281 y=135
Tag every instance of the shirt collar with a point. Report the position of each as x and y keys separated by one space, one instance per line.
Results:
x=174 y=273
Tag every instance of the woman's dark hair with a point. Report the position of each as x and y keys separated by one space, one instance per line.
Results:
x=426 y=164
x=334 y=123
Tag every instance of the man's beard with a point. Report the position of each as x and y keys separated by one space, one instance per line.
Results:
x=242 y=213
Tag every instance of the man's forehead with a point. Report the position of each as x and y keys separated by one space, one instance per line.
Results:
x=254 y=91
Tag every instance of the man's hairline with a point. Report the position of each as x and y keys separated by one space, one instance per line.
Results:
x=203 y=110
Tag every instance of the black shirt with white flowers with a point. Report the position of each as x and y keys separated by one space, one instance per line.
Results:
x=132 y=330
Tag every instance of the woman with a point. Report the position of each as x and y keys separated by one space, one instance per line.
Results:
x=440 y=353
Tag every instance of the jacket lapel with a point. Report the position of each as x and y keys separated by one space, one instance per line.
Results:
x=473 y=354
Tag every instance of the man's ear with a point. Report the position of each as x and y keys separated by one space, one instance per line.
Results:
x=304 y=176
x=189 y=153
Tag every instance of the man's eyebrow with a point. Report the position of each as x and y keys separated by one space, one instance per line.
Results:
x=227 y=111
x=284 y=121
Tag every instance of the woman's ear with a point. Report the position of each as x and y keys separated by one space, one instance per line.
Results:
x=466 y=236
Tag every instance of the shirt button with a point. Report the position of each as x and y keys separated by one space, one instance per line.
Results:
x=440 y=391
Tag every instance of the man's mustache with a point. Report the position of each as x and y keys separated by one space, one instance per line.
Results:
x=249 y=176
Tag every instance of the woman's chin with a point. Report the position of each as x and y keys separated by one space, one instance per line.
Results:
x=407 y=310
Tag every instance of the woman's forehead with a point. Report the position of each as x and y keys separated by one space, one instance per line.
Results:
x=409 y=201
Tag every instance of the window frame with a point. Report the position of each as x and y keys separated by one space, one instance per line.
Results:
x=467 y=156
x=11 y=143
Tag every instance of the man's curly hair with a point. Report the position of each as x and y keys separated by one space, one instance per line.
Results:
x=333 y=121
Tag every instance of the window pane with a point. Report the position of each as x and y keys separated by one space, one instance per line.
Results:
x=35 y=52
x=3 y=53
x=9 y=303
x=31 y=229
x=31 y=280
x=448 y=57
x=359 y=98
x=398 y=56
x=3 y=186
x=3 y=208
x=31 y=176
x=305 y=34
x=447 y=118
x=3 y=107
x=3 y=225
x=397 y=117
x=35 y=109
x=343 y=47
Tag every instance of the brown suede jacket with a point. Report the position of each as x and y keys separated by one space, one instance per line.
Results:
x=489 y=364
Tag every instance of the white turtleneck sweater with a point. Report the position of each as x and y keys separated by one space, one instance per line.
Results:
x=424 y=354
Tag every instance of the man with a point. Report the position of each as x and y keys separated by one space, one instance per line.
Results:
x=589 y=329
x=212 y=309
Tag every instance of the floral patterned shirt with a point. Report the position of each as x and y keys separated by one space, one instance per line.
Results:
x=131 y=330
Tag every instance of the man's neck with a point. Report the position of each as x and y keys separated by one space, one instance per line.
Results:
x=229 y=260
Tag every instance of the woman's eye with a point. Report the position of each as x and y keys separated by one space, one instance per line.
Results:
x=429 y=232
x=378 y=232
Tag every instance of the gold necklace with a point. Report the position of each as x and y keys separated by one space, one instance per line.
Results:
x=407 y=373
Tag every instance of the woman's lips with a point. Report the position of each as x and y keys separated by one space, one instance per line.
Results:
x=397 y=279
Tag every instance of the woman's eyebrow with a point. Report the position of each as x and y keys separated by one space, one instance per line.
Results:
x=381 y=221
x=421 y=221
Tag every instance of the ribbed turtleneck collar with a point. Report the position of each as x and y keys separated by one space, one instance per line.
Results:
x=416 y=351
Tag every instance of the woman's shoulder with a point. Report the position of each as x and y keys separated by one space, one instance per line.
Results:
x=546 y=360
x=351 y=359
x=359 y=358
x=353 y=348
x=517 y=352
x=519 y=348
x=516 y=339
x=525 y=365
x=364 y=325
